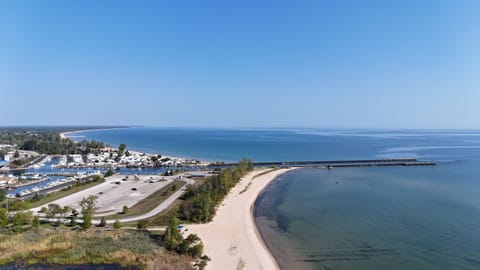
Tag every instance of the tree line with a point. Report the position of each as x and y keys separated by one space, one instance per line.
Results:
x=200 y=201
x=47 y=141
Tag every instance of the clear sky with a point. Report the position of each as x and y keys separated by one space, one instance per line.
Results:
x=331 y=63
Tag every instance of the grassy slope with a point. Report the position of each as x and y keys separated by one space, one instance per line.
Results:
x=125 y=248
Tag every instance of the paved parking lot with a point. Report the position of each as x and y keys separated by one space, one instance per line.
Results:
x=116 y=193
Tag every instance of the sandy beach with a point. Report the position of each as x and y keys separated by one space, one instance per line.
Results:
x=64 y=135
x=231 y=239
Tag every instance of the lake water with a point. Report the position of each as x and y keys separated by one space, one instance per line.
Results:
x=349 y=218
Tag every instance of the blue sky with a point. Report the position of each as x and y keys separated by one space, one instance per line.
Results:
x=349 y=64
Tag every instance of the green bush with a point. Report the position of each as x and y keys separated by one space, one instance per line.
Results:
x=103 y=222
x=117 y=225
x=22 y=218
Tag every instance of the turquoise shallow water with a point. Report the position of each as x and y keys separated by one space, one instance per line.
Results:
x=376 y=218
x=349 y=218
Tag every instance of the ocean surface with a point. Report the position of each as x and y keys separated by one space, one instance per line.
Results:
x=348 y=218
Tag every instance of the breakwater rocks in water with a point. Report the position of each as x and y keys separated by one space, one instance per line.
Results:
x=341 y=163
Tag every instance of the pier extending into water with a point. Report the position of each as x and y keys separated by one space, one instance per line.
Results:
x=340 y=163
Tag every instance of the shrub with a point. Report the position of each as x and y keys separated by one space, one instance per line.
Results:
x=3 y=217
x=103 y=222
x=142 y=224
x=35 y=222
x=110 y=172
x=117 y=225
x=22 y=218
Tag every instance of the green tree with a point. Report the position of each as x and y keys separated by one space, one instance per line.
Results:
x=53 y=210
x=103 y=222
x=65 y=210
x=117 y=225
x=35 y=222
x=2 y=195
x=183 y=247
x=196 y=250
x=18 y=205
x=142 y=225
x=121 y=149
x=200 y=201
x=172 y=237
x=125 y=209
x=3 y=217
x=87 y=222
x=22 y=218
x=109 y=173
x=88 y=206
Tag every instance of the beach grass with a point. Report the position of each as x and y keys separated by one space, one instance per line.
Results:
x=66 y=247
x=257 y=175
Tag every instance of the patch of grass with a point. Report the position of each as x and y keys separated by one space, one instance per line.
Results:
x=150 y=202
x=265 y=172
x=60 y=194
x=60 y=247
x=246 y=188
x=162 y=218
x=255 y=176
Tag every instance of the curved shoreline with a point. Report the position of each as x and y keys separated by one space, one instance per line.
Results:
x=232 y=239
x=64 y=135
x=258 y=231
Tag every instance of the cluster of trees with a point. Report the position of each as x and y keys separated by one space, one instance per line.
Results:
x=54 y=209
x=200 y=201
x=46 y=141
x=14 y=205
x=173 y=240
x=19 y=220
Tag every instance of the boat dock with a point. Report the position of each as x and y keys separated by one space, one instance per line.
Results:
x=53 y=173
x=340 y=163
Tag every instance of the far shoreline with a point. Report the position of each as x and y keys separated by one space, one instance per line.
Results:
x=65 y=135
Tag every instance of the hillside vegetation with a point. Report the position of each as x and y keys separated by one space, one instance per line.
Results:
x=65 y=247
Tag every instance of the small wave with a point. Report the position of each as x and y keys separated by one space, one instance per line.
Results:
x=437 y=147
x=384 y=134
x=399 y=155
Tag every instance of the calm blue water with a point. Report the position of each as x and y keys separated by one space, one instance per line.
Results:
x=349 y=218
x=297 y=144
